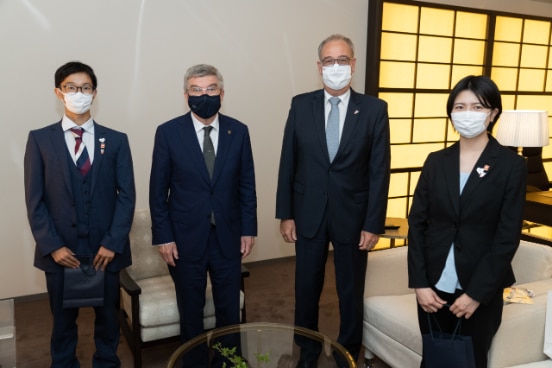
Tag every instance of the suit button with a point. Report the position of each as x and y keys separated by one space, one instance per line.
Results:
x=73 y=225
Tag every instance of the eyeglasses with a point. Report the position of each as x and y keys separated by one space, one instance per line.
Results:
x=87 y=89
x=198 y=91
x=342 y=60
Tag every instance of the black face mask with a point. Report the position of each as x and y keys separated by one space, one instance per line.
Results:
x=204 y=106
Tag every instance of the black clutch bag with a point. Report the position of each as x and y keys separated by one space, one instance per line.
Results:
x=83 y=286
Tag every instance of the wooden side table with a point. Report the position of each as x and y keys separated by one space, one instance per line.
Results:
x=395 y=228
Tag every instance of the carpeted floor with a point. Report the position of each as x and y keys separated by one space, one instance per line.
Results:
x=269 y=298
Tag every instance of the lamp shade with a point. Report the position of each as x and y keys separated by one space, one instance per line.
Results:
x=523 y=128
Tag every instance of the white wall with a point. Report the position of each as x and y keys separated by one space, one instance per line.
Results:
x=140 y=50
x=266 y=51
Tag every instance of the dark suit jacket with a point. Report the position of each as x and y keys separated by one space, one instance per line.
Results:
x=353 y=188
x=484 y=222
x=182 y=196
x=49 y=198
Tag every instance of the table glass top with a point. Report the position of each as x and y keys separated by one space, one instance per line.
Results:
x=263 y=345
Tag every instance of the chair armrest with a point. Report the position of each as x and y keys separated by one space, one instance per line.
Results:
x=244 y=271
x=244 y=274
x=387 y=272
x=128 y=284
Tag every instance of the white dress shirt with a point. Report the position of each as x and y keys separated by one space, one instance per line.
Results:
x=214 y=134
x=87 y=136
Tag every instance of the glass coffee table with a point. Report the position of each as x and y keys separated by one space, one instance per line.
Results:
x=262 y=345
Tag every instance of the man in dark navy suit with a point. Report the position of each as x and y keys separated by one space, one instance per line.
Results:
x=203 y=202
x=332 y=187
x=80 y=196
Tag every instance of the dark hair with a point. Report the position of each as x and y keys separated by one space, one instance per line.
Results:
x=73 y=67
x=486 y=91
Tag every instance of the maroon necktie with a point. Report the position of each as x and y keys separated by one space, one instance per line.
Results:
x=81 y=153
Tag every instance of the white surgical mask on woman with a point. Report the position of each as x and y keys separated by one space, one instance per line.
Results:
x=336 y=76
x=469 y=124
x=78 y=103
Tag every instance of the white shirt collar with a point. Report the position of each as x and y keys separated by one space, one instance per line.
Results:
x=67 y=124
x=344 y=97
x=198 y=125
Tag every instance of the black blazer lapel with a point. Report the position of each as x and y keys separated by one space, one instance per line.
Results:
x=100 y=140
x=187 y=137
x=59 y=147
x=319 y=121
x=351 y=119
x=481 y=170
x=224 y=142
x=452 y=175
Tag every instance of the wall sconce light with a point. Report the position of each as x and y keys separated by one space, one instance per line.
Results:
x=523 y=128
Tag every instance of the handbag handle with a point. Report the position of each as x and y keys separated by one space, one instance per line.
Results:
x=87 y=268
x=456 y=328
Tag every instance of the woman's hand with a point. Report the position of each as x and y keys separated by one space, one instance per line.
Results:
x=429 y=300
x=464 y=306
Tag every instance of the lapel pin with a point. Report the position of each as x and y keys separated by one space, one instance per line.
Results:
x=483 y=171
x=356 y=112
x=229 y=132
x=102 y=145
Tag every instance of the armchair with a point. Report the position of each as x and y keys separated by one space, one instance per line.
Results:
x=148 y=312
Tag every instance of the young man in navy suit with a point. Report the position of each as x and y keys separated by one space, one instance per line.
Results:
x=203 y=202
x=332 y=187
x=80 y=196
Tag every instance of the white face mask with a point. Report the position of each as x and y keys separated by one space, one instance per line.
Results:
x=469 y=124
x=336 y=76
x=78 y=103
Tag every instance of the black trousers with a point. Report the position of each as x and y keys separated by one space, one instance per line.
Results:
x=63 y=343
x=190 y=280
x=481 y=326
x=350 y=271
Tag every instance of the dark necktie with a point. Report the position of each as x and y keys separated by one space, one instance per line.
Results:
x=332 y=128
x=208 y=150
x=209 y=156
x=81 y=153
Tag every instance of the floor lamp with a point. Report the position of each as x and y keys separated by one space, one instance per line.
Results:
x=523 y=128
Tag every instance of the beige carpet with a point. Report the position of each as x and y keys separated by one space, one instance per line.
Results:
x=269 y=298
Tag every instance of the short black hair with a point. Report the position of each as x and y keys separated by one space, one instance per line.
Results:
x=486 y=91
x=73 y=67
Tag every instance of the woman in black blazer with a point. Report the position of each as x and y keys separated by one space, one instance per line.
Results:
x=465 y=221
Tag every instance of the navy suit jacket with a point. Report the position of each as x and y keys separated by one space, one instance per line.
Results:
x=484 y=222
x=352 y=190
x=49 y=195
x=182 y=196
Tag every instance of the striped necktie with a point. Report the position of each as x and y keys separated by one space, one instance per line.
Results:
x=81 y=153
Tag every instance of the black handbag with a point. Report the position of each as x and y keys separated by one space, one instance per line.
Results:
x=442 y=350
x=83 y=286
